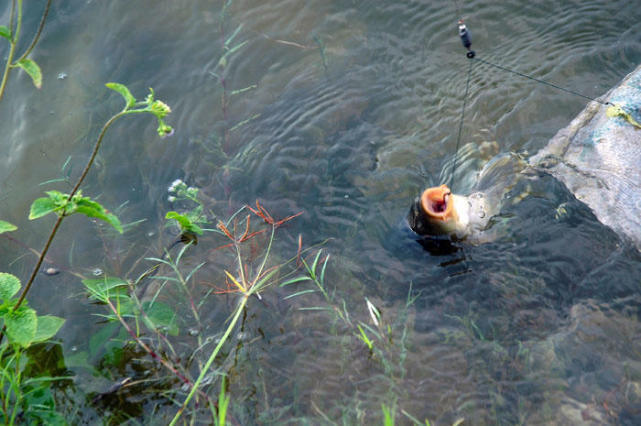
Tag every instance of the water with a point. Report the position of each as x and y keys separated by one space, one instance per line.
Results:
x=352 y=108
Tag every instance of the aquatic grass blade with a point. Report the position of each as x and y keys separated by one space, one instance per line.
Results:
x=299 y=293
x=295 y=280
x=313 y=268
x=223 y=403
x=322 y=275
x=373 y=312
x=234 y=34
x=193 y=271
x=165 y=278
x=263 y=282
x=363 y=336
x=371 y=330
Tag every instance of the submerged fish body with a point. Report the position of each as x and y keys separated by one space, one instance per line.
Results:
x=439 y=213
x=597 y=157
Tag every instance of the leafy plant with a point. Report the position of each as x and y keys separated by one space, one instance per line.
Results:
x=65 y=205
x=12 y=34
x=149 y=315
x=74 y=202
x=21 y=394
x=23 y=327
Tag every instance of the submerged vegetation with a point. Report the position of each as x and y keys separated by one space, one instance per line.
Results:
x=159 y=313
x=250 y=267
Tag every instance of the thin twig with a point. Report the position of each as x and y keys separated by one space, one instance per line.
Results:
x=37 y=36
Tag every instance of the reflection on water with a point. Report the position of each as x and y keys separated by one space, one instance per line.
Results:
x=346 y=111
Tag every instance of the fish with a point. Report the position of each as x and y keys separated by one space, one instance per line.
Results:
x=597 y=157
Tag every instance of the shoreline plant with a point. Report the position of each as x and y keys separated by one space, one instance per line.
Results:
x=151 y=322
x=21 y=324
x=12 y=34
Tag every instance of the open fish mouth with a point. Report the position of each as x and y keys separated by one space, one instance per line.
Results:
x=436 y=202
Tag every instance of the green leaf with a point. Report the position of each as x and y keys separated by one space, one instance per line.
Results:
x=92 y=208
x=364 y=338
x=21 y=326
x=42 y=207
x=104 y=288
x=160 y=315
x=5 y=32
x=186 y=225
x=124 y=91
x=9 y=285
x=6 y=227
x=48 y=326
x=31 y=67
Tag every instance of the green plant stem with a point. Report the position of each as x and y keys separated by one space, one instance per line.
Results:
x=148 y=349
x=52 y=234
x=12 y=49
x=239 y=309
x=41 y=258
x=18 y=375
x=37 y=36
x=95 y=152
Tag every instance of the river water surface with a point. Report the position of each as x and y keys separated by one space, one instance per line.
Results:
x=344 y=110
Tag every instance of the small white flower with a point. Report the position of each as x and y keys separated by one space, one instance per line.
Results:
x=171 y=198
x=174 y=185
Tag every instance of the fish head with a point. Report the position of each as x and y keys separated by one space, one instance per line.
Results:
x=434 y=212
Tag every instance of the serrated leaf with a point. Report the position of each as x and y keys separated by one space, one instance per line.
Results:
x=21 y=326
x=9 y=285
x=31 y=67
x=42 y=207
x=48 y=326
x=160 y=316
x=5 y=32
x=124 y=92
x=92 y=208
x=7 y=227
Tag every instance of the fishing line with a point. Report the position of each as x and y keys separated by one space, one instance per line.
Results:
x=547 y=83
x=460 y=125
x=466 y=40
x=458 y=10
